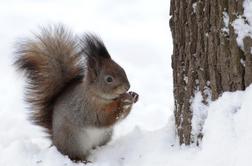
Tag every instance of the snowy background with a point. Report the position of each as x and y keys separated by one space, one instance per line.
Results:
x=137 y=35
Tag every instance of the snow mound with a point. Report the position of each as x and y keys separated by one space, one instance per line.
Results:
x=227 y=130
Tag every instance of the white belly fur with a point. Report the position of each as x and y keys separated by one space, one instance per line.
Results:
x=92 y=137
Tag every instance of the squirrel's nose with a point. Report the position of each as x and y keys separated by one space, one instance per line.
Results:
x=123 y=88
x=127 y=86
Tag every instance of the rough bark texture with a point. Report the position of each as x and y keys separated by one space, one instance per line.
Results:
x=205 y=55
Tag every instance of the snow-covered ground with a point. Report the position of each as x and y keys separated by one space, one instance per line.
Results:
x=137 y=35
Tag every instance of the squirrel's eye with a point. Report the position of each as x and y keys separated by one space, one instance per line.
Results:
x=109 y=79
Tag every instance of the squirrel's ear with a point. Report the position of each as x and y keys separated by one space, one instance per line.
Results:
x=93 y=46
x=95 y=51
x=93 y=66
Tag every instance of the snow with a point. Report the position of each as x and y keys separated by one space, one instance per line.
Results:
x=226 y=22
x=227 y=130
x=242 y=61
x=199 y=115
x=138 y=38
x=194 y=5
x=242 y=25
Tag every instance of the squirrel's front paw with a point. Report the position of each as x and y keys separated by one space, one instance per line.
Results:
x=135 y=96
x=126 y=101
x=129 y=98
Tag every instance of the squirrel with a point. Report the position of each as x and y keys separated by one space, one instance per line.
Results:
x=75 y=90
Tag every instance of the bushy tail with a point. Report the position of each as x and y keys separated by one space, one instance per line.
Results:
x=51 y=62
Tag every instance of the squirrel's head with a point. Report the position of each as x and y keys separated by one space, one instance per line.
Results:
x=107 y=79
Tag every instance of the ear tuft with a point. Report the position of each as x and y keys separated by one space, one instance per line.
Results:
x=93 y=46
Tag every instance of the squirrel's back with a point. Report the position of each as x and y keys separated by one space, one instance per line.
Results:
x=51 y=62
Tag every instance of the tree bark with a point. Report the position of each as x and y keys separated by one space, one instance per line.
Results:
x=205 y=55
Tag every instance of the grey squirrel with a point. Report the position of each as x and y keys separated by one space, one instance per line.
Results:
x=76 y=91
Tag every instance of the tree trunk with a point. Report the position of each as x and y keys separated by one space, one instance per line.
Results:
x=205 y=55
